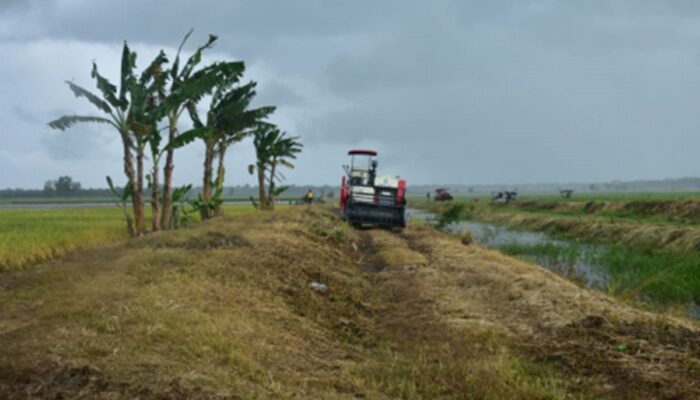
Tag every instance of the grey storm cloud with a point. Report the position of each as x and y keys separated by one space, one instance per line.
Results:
x=446 y=91
x=279 y=94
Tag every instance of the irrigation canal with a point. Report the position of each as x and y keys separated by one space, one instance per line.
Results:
x=568 y=258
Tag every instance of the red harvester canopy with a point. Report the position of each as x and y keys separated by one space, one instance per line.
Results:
x=362 y=152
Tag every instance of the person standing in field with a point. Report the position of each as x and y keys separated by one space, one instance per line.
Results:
x=309 y=197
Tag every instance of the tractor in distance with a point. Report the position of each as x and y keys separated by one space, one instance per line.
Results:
x=442 y=194
x=370 y=199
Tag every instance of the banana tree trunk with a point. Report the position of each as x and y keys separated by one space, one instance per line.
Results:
x=220 y=171
x=136 y=198
x=139 y=188
x=167 y=212
x=271 y=190
x=261 y=188
x=206 y=187
x=155 y=194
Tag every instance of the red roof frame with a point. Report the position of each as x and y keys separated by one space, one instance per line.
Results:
x=362 y=153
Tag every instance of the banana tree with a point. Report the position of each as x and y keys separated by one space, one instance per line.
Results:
x=272 y=149
x=181 y=214
x=121 y=202
x=115 y=106
x=228 y=120
x=188 y=87
x=237 y=122
x=148 y=95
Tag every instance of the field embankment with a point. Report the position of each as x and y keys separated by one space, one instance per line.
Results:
x=666 y=211
x=649 y=258
x=667 y=224
x=603 y=230
x=225 y=310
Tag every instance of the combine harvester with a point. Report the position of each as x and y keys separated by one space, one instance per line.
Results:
x=442 y=194
x=368 y=199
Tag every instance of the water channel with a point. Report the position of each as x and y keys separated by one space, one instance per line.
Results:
x=568 y=258
x=574 y=265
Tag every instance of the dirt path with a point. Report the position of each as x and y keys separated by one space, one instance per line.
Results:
x=225 y=310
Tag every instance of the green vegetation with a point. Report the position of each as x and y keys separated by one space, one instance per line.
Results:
x=657 y=277
x=451 y=215
x=31 y=236
x=273 y=149
x=228 y=121
x=145 y=104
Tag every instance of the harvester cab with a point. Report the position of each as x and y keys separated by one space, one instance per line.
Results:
x=368 y=198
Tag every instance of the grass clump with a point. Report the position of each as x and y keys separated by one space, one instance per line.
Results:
x=657 y=276
x=466 y=237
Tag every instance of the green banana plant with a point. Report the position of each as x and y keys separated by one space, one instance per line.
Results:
x=228 y=120
x=115 y=105
x=187 y=87
x=272 y=149
x=180 y=213
x=121 y=201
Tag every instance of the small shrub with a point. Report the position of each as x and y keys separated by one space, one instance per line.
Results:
x=451 y=215
x=466 y=237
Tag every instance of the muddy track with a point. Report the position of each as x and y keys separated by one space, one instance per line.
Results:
x=618 y=350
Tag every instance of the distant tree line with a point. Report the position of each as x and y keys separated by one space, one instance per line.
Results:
x=238 y=191
x=63 y=186
x=145 y=109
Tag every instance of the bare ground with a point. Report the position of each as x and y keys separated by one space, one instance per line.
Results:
x=224 y=310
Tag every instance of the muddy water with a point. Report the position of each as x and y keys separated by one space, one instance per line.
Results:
x=574 y=265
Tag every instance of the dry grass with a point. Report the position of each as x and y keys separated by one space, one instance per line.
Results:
x=224 y=310
x=222 y=314
x=612 y=348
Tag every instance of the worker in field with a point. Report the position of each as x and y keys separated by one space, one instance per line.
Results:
x=309 y=197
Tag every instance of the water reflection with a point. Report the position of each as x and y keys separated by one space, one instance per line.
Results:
x=566 y=258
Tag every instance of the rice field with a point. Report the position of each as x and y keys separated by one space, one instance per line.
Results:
x=32 y=236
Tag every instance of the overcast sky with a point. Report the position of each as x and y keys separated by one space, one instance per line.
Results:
x=447 y=91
